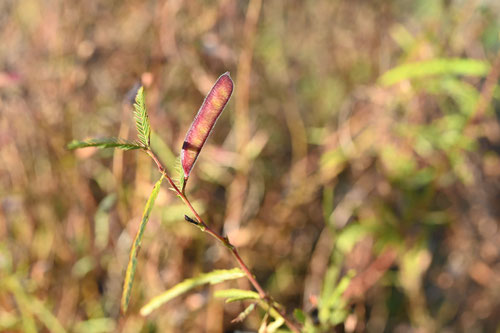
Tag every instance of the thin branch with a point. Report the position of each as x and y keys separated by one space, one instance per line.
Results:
x=225 y=241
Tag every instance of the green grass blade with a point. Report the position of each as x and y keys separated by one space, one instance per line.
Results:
x=132 y=263
x=213 y=277
x=141 y=118
x=104 y=143
x=470 y=67
x=233 y=295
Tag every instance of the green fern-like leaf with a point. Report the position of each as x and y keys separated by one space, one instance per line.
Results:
x=105 y=143
x=141 y=118
x=234 y=295
x=136 y=245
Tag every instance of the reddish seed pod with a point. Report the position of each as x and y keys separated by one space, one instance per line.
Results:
x=204 y=121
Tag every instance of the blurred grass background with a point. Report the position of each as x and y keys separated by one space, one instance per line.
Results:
x=363 y=136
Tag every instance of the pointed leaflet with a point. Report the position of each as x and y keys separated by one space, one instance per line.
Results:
x=132 y=263
x=104 y=143
x=204 y=122
x=141 y=118
x=213 y=277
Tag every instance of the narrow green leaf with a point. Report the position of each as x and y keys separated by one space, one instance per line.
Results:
x=213 y=277
x=104 y=143
x=233 y=295
x=141 y=118
x=470 y=67
x=132 y=263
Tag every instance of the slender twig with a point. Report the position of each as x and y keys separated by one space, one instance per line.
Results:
x=224 y=241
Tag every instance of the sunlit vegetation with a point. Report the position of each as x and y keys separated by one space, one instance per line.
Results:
x=356 y=167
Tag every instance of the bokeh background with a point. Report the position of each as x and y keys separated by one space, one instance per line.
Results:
x=356 y=166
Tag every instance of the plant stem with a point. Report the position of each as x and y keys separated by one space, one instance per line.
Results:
x=225 y=241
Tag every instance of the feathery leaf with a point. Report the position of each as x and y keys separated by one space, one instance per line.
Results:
x=141 y=118
x=132 y=263
x=233 y=295
x=213 y=277
x=105 y=143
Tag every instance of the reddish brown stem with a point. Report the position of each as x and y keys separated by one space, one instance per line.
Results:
x=225 y=241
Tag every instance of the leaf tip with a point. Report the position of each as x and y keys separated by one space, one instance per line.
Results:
x=139 y=93
x=144 y=311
